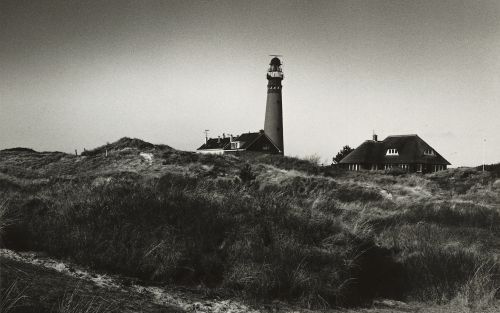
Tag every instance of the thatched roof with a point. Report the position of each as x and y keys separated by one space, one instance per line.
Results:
x=410 y=149
x=368 y=152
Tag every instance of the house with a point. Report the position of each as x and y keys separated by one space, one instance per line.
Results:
x=407 y=152
x=257 y=142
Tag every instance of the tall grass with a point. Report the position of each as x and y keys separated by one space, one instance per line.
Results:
x=480 y=290
x=234 y=236
x=11 y=297
x=4 y=219
x=74 y=302
x=269 y=227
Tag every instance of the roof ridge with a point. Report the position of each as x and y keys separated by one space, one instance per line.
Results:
x=402 y=135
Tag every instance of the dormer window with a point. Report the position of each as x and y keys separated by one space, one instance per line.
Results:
x=392 y=152
x=429 y=152
x=235 y=145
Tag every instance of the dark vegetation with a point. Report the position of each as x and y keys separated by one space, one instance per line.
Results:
x=494 y=169
x=342 y=154
x=259 y=226
x=124 y=143
x=37 y=289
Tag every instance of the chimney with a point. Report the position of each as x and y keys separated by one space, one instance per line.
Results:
x=375 y=137
x=218 y=139
x=206 y=135
x=223 y=135
x=231 y=137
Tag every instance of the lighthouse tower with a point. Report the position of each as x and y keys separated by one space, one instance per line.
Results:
x=273 y=124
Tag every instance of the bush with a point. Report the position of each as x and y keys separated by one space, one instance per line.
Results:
x=246 y=174
x=493 y=168
x=395 y=171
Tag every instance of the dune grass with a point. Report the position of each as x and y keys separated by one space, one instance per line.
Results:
x=74 y=302
x=10 y=297
x=262 y=226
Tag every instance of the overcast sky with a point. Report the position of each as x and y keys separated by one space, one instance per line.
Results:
x=78 y=74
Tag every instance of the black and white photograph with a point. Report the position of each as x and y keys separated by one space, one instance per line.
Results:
x=250 y=156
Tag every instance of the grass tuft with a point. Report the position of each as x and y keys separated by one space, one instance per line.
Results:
x=480 y=290
x=11 y=297
x=74 y=302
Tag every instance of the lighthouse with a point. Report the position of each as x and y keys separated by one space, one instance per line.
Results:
x=273 y=124
x=269 y=140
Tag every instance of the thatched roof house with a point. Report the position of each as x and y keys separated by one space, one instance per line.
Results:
x=408 y=152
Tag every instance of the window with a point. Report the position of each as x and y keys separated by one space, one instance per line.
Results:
x=437 y=168
x=429 y=152
x=354 y=167
x=235 y=145
x=392 y=152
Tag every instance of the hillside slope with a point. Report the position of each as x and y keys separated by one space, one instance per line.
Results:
x=262 y=227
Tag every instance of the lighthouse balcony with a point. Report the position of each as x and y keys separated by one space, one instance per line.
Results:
x=275 y=75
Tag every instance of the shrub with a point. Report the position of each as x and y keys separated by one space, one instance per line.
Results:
x=246 y=174
x=342 y=154
x=493 y=168
x=395 y=171
x=314 y=159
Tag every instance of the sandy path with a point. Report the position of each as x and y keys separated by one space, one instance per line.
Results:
x=160 y=296
x=47 y=280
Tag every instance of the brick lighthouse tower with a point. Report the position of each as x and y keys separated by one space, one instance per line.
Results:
x=273 y=124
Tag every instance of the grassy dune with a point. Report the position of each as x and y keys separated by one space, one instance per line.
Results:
x=262 y=227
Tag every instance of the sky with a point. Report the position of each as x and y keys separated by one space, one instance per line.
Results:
x=79 y=74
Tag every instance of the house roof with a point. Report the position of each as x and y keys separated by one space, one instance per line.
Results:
x=368 y=152
x=246 y=141
x=215 y=143
x=410 y=150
